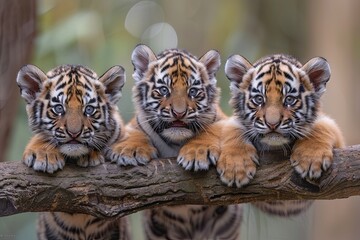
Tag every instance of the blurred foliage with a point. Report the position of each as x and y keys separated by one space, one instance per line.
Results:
x=100 y=34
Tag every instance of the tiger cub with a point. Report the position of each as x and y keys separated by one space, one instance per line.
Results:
x=73 y=114
x=176 y=99
x=276 y=106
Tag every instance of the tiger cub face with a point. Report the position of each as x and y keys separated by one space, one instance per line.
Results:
x=175 y=92
x=276 y=98
x=71 y=108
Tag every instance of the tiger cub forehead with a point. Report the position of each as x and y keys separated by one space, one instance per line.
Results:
x=75 y=79
x=279 y=71
x=69 y=70
x=174 y=65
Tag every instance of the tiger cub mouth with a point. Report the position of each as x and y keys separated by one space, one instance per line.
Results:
x=73 y=142
x=274 y=139
x=177 y=124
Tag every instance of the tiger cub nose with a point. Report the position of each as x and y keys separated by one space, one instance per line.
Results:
x=272 y=126
x=178 y=115
x=73 y=134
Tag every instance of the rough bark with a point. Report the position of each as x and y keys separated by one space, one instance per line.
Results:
x=17 y=32
x=109 y=190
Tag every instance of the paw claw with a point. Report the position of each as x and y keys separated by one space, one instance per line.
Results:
x=311 y=159
x=293 y=162
x=94 y=158
x=242 y=183
x=197 y=156
x=44 y=160
x=326 y=163
x=124 y=154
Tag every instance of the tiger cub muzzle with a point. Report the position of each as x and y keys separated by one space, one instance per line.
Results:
x=272 y=125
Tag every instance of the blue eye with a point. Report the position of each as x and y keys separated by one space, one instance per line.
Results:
x=193 y=92
x=290 y=100
x=89 y=110
x=258 y=100
x=164 y=91
x=58 y=109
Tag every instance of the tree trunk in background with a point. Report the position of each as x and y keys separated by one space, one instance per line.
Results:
x=17 y=32
x=333 y=33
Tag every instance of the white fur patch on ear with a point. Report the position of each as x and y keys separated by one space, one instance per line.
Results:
x=236 y=67
x=141 y=57
x=212 y=62
x=30 y=79
x=318 y=70
x=113 y=80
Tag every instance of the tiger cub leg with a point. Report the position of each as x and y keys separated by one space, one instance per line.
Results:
x=314 y=154
x=238 y=159
x=94 y=158
x=133 y=149
x=202 y=150
x=310 y=157
x=42 y=156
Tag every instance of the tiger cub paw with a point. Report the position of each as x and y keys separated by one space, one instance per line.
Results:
x=197 y=155
x=311 y=158
x=44 y=160
x=93 y=159
x=237 y=165
x=130 y=154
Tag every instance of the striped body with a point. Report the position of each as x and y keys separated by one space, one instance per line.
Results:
x=73 y=114
x=59 y=225
x=193 y=222
x=276 y=106
x=176 y=100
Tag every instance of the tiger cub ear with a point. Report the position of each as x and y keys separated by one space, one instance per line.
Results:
x=141 y=57
x=113 y=80
x=30 y=79
x=318 y=71
x=212 y=62
x=236 y=67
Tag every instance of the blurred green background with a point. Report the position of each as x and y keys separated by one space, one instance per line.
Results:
x=100 y=34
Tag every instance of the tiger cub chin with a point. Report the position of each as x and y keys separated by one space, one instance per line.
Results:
x=73 y=114
x=176 y=101
x=276 y=106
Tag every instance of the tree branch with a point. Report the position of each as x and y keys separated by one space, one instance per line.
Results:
x=109 y=190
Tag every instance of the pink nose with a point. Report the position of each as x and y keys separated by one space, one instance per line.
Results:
x=178 y=115
x=73 y=134
x=272 y=126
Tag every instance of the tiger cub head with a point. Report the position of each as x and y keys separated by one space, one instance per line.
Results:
x=71 y=108
x=175 y=92
x=276 y=99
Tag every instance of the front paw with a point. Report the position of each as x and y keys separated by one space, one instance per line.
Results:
x=237 y=165
x=311 y=159
x=198 y=156
x=130 y=154
x=93 y=159
x=45 y=160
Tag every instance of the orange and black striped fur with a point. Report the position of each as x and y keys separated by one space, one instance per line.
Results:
x=276 y=106
x=176 y=101
x=73 y=114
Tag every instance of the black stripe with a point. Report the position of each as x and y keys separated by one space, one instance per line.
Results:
x=49 y=233
x=165 y=68
x=260 y=76
x=288 y=76
x=59 y=80
x=61 y=86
